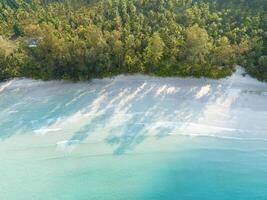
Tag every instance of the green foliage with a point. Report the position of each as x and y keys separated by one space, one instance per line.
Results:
x=3 y=74
x=197 y=45
x=18 y=30
x=83 y=39
x=153 y=52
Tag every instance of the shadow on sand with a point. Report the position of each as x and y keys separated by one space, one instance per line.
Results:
x=127 y=109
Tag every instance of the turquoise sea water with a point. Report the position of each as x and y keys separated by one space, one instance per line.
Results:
x=134 y=138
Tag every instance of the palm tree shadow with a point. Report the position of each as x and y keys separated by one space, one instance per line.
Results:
x=40 y=105
x=129 y=114
x=91 y=127
x=161 y=115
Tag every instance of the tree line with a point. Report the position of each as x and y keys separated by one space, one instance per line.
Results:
x=84 y=39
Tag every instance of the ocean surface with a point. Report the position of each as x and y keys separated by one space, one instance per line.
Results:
x=134 y=138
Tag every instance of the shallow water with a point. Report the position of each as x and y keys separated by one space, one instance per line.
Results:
x=134 y=137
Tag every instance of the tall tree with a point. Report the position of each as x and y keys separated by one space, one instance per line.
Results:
x=153 y=53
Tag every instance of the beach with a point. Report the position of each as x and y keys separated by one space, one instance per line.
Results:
x=134 y=137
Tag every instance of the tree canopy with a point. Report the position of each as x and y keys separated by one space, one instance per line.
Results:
x=84 y=39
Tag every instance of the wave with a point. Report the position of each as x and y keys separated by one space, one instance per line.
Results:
x=43 y=131
x=223 y=137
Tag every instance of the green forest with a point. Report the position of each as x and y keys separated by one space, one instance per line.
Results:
x=84 y=39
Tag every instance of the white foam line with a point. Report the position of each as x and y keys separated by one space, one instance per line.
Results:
x=43 y=131
x=218 y=137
